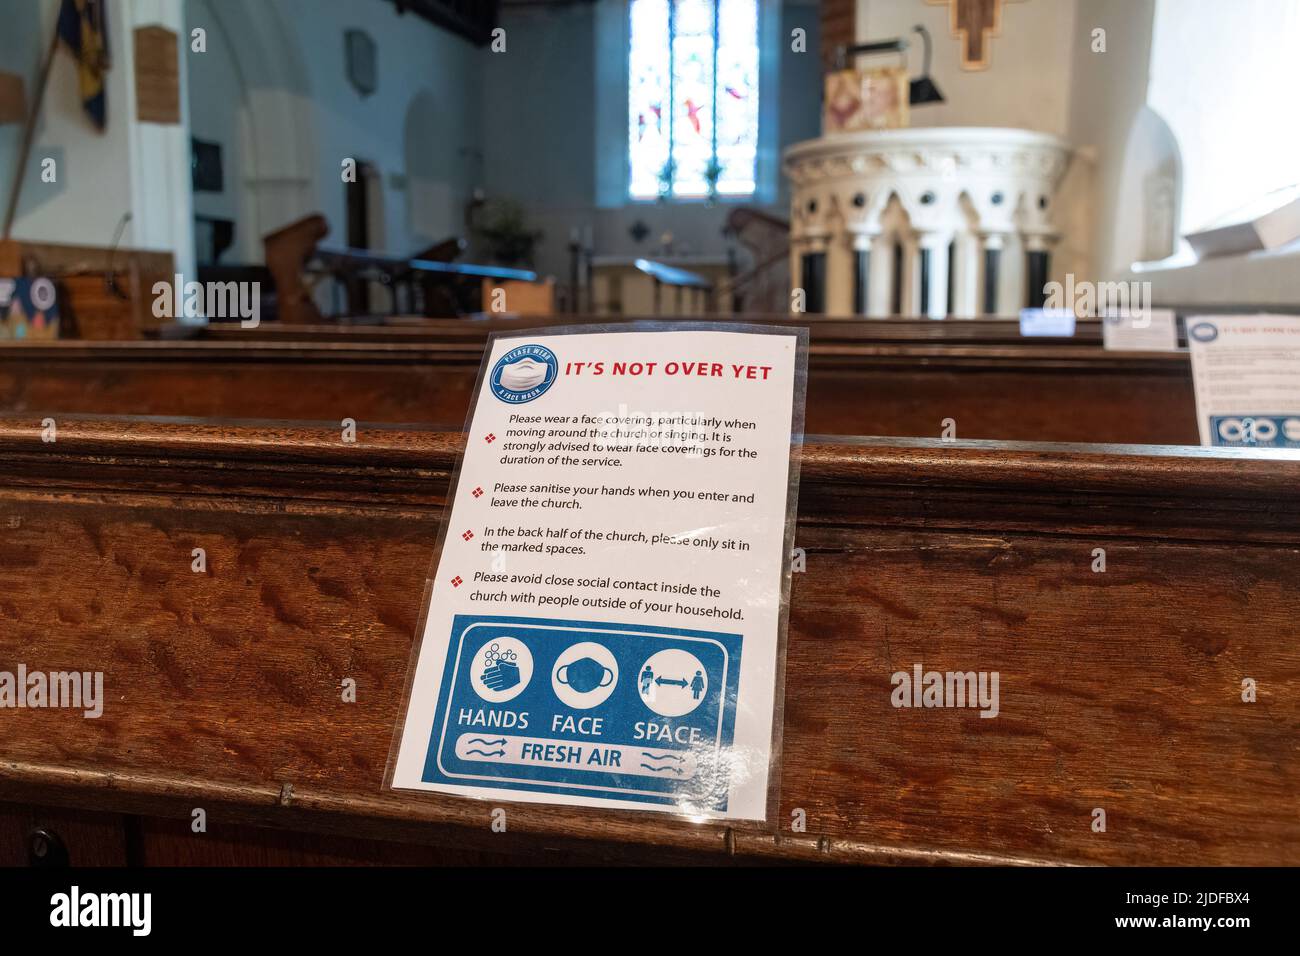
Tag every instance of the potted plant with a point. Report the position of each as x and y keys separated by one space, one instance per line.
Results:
x=502 y=228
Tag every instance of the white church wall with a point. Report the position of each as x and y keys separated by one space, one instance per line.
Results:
x=1027 y=84
x=1180 y=139
x=219 y=114
x=1223 y=105
x=415 y=59
x=286 y=121
x=1107 y=97
x=93 y=189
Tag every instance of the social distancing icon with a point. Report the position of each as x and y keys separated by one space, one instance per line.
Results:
x=672 y=682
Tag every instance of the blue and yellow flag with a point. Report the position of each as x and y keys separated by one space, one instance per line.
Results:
x=83 y=26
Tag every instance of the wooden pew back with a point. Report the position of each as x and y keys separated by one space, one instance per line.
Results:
x=1026 y=392
x=999 y=332
x=1119 y=690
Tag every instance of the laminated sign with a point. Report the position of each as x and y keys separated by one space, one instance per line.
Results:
x=606 y=617
x=1246 y=371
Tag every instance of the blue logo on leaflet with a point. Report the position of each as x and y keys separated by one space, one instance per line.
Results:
x=1255 y=431
x=614 y=711
x=1204 y=331
x=523 y=374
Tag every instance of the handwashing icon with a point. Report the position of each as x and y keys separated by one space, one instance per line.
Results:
x=500 y=670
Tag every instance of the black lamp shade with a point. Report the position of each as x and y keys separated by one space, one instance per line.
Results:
x=922 y=90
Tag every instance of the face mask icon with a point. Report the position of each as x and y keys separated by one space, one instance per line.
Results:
x=523 y=375
x=585 y=675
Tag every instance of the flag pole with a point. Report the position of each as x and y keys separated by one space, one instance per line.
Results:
x=29 y=134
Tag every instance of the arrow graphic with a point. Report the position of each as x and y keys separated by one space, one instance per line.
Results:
x=646 y=753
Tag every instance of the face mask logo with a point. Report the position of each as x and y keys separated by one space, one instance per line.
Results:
x=523 y=375
x=585 y=675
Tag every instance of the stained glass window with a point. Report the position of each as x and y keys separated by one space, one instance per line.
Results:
x=693 y=98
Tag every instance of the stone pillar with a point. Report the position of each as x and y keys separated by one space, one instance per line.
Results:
x=839 y=275
x=862 y=241
x=992 y=245
x=966 y=267
x=1038 y=267
x=812 y=273
x=910 y=301
x=880 y=286
x=933 y=281
x=162 y=206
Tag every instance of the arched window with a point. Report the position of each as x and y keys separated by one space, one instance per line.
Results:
x=693 y=79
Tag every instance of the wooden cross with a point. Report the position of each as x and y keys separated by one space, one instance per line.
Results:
x=974 y=22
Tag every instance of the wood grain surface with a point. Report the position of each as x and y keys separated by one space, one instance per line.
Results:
x=1022 y=392
x=1119 y=691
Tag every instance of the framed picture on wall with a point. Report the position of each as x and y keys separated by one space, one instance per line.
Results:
x=205 y=162
x=865 y=99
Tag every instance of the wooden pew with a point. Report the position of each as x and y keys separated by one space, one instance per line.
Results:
x=1119 y=690
x=1025 y=392
x=105 y=292
x=287 y=251
x=1000 y=332
x=294 y=251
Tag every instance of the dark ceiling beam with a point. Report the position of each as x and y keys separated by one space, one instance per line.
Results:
x=525 y=4
x=472 y=19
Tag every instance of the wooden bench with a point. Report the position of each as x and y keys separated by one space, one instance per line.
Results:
x=1119 y=690
x=1023 y=392
x=1000 y=332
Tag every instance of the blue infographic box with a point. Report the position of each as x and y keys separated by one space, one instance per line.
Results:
x=1255 y=431
x=616 y=711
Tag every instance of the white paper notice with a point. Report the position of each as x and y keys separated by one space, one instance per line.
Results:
x=1056 y=323
x=1247 y=374
x=605 y=618
x=1149 y=330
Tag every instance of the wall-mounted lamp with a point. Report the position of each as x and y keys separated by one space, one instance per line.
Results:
x=922 y=90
